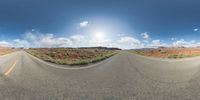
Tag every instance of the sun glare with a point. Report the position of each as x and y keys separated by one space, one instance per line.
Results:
x=99 y=35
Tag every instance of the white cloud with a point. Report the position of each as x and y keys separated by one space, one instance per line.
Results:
x=145 y=41
x=48 y=41
x=31 y=36
x=5 y=44
x=145 y=35
x=84 y=24
x=63 y=42
x=184 y=43
x=181 y=42
x=37 y=39
x=156 y=43
x=77 y=39
x=196 y=29
x=20 y=43
x=129 y=42
x=105 y=43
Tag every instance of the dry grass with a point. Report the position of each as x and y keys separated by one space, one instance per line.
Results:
x=4 y=50
x=71 y=56
x=172 y=53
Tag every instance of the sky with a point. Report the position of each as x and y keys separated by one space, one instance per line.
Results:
x=125 y=24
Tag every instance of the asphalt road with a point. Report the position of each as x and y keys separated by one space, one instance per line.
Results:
x=124 y=76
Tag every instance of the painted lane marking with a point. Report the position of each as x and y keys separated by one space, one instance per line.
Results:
x=11 y=68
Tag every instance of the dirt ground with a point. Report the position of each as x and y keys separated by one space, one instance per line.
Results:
x=6 y=50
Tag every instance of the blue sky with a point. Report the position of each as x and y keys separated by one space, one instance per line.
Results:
x=112 y=23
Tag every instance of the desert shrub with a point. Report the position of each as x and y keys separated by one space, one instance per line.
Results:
x=163 y=52
x=71 y=56
x=82 y=62
x=173 y=56
x=184 y=56
x=98 y=59
x=62 y=62
x=181 y=56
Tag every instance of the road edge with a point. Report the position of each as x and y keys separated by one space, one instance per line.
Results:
x=67 y=66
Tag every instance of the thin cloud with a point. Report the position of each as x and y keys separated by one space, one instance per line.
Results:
x=129 y=42
x=196 y=29
x=20 y=43
x=173 y=39
x=5 y=44
x=84 y=24
x=145 y=35
x=156 y=43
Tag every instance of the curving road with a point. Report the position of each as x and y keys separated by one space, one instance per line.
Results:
x=124 y=76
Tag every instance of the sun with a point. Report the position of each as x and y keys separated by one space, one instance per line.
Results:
x=99 y=35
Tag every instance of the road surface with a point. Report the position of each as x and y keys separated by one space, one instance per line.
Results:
x=124 y=76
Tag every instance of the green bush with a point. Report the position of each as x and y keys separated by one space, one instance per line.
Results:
x=184 y=56
x=173 y=56
x=82 y=62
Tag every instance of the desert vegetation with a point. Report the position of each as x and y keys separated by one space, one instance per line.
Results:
x=170 y=52
x=72 y=56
